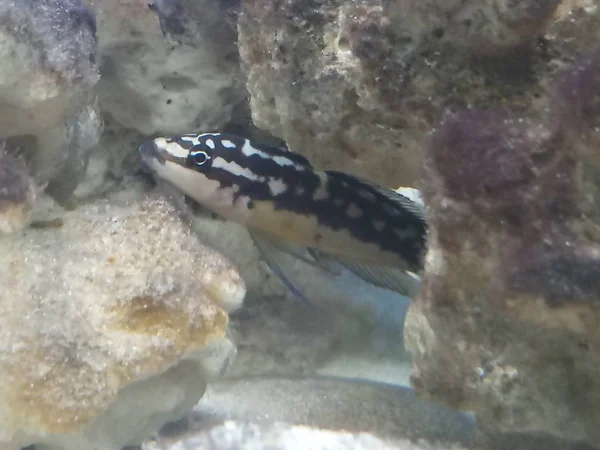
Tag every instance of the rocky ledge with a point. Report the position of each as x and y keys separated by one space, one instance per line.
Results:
x=113 y=319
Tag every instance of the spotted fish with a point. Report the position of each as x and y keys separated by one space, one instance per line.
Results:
x=378 y=233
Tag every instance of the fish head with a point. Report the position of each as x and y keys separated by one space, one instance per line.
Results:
x=197 y=164
x=191 y=152
x=180 y=158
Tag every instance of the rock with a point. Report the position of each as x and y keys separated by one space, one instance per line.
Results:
x=17 y=194
x=113 y=165
x=233 y=241
x=232 y=435
x=153 y=84
x=111 y=325
x=341 y=406
x=279 y=336
x=357 y=406
x=48 y=74
x=356 y=86
x=507 y=321
x=484 y=28
x=208 y=22
x=84 y=131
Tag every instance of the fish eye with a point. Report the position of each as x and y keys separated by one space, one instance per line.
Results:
x=199 y=158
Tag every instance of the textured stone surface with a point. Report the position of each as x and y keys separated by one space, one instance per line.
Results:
x=111 y=324
x=48 y=74
x=17 y=193
x=234 y=435
x=153 y=84
x=507 y=323
x=356 y=406
x=355 y=86
x=83 y=133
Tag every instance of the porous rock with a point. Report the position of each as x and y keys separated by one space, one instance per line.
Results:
x=84 y=131
x=507 y=321
x=48 y=74
x=153 y=83
x=111 y=325
x=17 y=193
x=356 y=86
x=483 y=28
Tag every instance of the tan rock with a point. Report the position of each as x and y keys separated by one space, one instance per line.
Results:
x=154 y=85
x=110 y=325
x=48 y=75
x=17 y=193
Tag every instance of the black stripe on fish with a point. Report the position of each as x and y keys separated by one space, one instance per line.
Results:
x=231 y=144
x=343 y=202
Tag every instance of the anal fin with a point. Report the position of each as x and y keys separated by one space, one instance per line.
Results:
x=392 y=278
x=274 y=250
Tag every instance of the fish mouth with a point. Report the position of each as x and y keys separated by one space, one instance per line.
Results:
x=151 y=153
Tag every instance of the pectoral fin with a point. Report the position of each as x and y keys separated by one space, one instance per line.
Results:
x=272 y=251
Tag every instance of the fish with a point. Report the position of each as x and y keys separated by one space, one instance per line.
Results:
x=320 y=216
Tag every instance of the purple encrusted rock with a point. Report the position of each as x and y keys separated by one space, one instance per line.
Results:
x=508 y=320
x=514 y=168
x=576 y=103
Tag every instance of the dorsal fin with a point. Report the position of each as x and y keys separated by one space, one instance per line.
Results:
x=409 y=198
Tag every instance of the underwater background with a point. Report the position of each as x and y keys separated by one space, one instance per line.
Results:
x=131 y=316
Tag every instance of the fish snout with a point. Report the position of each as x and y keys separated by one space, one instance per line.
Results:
x=151 y=154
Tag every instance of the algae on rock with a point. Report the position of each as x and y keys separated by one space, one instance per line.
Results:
x=507 y=322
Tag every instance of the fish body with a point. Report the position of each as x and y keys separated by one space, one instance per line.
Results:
x=278 y=193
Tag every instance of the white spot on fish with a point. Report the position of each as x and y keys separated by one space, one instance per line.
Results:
x=405 y=233
x=228 y=144
x=321 y=193
x=299 y=190
x=248 y=149
x=353 y=211
x=210 y=144
x=193 y=138
x=172 y=148
x=338 y=202
x=379 y=225
x=277 y=186
x=235 y=169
